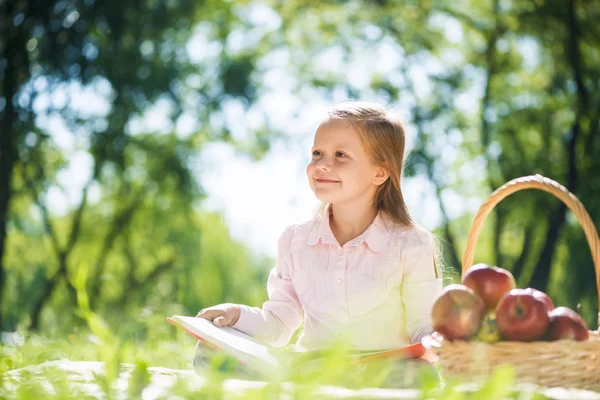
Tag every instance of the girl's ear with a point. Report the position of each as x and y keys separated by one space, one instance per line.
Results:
x=381 y=175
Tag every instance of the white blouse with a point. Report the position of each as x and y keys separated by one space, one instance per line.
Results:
x=375 y=292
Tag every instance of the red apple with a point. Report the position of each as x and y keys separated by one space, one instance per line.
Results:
x=566 y=324
x=490 y=283
x=522 y=316
x=457 y=312
x=542 y=296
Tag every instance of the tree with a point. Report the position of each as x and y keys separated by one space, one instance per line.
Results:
x=494 y=91
x=126 y=59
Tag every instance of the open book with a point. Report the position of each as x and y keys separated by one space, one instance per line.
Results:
x=268 y=360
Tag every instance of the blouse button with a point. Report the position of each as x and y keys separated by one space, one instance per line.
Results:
x=339 y=281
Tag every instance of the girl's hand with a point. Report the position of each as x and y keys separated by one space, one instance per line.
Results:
x=226 y=314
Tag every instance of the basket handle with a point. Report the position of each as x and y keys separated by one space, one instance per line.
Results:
x=547 y=185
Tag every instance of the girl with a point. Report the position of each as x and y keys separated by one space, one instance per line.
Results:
x=362 y=270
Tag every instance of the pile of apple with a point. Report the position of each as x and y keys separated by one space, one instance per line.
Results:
x=487 y=306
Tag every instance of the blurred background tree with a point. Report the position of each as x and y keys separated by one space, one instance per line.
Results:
x=490 y=91
x=92 y=71
x=494 y=90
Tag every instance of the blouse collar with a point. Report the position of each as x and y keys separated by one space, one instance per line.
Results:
x=376 y=236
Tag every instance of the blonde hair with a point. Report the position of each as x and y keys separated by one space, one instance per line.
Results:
x=383 y=137
x=382 y=134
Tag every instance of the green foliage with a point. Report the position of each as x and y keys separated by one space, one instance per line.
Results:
x=58 y=381
x=130 y=64
x=490 y=91
x=210 y=267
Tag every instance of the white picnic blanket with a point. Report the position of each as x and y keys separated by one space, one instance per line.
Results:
x=164 y=382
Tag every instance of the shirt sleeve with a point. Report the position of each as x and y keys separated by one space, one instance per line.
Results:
x=420 y=287
x=281 y=315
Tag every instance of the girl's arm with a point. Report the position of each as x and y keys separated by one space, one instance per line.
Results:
x=420 y=286
x=281 y=315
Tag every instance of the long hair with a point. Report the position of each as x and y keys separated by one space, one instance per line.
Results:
x=383 y=137
x=382 y=134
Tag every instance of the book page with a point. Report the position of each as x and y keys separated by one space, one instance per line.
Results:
x=272 y=361
x=227 y=338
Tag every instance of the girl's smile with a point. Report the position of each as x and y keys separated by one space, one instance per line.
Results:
x=326 y=180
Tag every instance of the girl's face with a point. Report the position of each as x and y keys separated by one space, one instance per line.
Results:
x=341 y=171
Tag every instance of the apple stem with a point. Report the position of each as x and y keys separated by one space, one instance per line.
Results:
x=520 y=312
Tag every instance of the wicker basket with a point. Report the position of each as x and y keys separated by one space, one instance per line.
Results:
x=562 y=363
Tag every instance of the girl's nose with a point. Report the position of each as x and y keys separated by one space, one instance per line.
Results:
x=323 y=165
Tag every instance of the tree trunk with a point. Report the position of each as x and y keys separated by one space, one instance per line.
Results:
x=8 y=130
x=38 y=305
x=486 y=130
x=7 y=162
x=51 y=284
x=498 y=228
x=541 y=273
x=517 y=268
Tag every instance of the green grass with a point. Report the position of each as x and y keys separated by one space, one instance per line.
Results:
x=128 y=364
x=137 y=360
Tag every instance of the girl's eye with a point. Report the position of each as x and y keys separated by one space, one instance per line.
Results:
x=316 y=153
x=339 y=154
